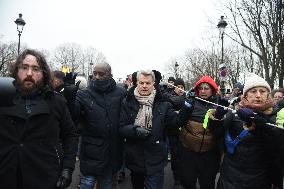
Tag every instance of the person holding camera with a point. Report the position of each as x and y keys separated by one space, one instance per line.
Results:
x=38 y=141
x=143 y=121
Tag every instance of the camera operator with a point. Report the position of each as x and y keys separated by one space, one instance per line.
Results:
x=37 y=136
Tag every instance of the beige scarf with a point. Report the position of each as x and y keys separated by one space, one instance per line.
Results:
x=144 y=116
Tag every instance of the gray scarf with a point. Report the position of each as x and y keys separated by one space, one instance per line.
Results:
x=144 y=116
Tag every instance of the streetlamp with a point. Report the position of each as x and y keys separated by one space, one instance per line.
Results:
x=222 y=25
x=20 y=26
x=176 y=69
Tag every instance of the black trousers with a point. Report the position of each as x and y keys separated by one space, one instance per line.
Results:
x=174 y=141
x=141 y=180
x=202 y=166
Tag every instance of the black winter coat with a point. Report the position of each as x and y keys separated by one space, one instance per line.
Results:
x=250 y=165
x=148 y=155
x=31 y=135
x=177 y=102
x=99 y=116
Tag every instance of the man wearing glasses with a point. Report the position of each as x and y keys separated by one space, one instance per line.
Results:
x=37 y=137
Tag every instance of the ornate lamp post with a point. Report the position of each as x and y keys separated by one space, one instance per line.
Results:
x=222 y=25
x=20 y=26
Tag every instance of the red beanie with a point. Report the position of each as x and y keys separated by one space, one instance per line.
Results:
x=206 y=79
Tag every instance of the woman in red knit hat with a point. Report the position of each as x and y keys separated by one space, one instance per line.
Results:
x=199 y=152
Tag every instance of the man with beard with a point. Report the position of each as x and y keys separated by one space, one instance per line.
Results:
x=31 y=155
x=97 y=109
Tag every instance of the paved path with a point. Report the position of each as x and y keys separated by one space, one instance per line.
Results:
x=168 y=183
x=126 y=184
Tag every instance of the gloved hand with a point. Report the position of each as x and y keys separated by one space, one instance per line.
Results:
x=189 y=102
x=64 y=179
x=70 y=91
x=220 y=111
x=70 y=78
x=142 y=132
x=246 y=114
x=249 y=116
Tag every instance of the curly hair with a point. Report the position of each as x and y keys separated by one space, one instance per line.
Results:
x=47 y=79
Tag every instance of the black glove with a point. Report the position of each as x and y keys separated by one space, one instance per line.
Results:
x=249 y=116
x=7 y=91
x=70 y=91
x=70 y=78
x=220 y=111
x=142 y=132
x=246 y=114
x=64 y=179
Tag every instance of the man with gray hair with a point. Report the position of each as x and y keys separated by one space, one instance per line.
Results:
x=97 y=108
x=144 y=117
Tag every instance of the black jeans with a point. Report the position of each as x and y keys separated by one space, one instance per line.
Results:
x=174 y=141
x=140 y=180
x=202 y=166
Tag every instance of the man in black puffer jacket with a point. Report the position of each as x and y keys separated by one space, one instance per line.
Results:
x=97 y=108
x=143 y=120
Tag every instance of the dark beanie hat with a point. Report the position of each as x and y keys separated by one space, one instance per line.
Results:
x=59 y=74
x=134 y=78
x=238 y=85
x=171 y=79
x=179 y=81
x=158 y=77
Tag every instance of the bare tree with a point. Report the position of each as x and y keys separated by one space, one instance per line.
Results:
x=255 y=27
x=68 y=55
x=91 y=57
x=8 y=55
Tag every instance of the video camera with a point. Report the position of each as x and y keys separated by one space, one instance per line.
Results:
x=7 y=91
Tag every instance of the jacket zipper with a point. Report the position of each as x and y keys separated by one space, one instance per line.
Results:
x=57 y=154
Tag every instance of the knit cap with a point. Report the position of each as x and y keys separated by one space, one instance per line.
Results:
x=252 y=80
x=179 y=81
x=171 y=79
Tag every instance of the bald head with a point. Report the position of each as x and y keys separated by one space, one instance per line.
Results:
x=102 y=71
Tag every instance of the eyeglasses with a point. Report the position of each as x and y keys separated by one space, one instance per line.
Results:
x=25 y=68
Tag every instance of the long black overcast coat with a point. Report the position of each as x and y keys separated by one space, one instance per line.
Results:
x=149 y=155
x=31 y=156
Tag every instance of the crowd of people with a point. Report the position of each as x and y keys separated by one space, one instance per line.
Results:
x=50 y=119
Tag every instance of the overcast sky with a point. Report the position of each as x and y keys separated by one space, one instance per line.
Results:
x=132 y=34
